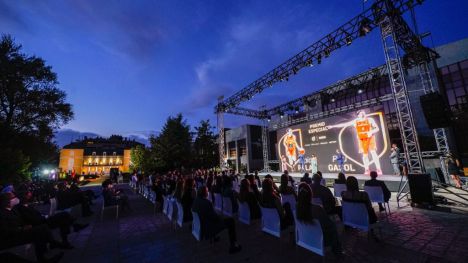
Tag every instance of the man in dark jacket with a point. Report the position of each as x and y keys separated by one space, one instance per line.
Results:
x=325 y=194
x=62 y=220
x=374 y=182
x=14 y=232
x=211 y=223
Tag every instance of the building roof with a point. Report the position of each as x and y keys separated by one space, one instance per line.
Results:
x=114 y=143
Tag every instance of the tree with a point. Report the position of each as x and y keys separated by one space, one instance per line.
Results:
x=205 y=149
x=31 y=108
x=139 y=157
x=171 y=149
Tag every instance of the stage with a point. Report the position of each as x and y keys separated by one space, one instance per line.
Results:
x=392 y=181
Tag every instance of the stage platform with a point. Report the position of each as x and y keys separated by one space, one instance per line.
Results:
x=392 y=181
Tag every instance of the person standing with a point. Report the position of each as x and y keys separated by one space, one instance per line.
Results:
x=314 y=164
x=453 y=168
x=395 y=159
x=340 y=159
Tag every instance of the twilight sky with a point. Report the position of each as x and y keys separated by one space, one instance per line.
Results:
x=127 y=65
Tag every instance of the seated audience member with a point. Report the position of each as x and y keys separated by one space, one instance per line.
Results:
x=62 y=220
x=211 y=223
x=374 y=182
x=257 y=179
x=253 y=186
x=290 y=178
x=341 y=178
x=67 y=198
x=352 y=194
x=285 y=188
x=228 y=191
x=114 y=196
x=270 y=199
x=246 y=194
x=325 y=194
x=188 y=195
x=14 y=232
x=306 y=212
x=306 y=179
x=275 y=187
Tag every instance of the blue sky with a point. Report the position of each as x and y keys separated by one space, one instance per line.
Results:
x=127 y=65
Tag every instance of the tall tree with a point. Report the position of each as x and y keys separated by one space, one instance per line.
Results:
x=172 y=148
x=31 y=108
x=204 y=147
x=140 y=157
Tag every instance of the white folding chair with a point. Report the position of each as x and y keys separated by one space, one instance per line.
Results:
x=244 y=212
x=180 y=214
x=355 y=215
x=338 y=189
x=104 y=207
x=271 y=221
x=289 y=199
x=376 y=196
x=227 y=206
x=165 y=204
x=170 y=209
x=218 y=202
x=310 y=236
x=196 y=227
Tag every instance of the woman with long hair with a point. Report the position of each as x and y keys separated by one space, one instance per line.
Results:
x=188 y=195
x=306 y=212
x=269 y=199
x=246 y=194
x=285 y=188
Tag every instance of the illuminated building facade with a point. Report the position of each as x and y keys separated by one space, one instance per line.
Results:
x=97 y=155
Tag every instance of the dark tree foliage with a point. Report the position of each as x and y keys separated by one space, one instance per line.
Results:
x=205 y=149
x=31 y=108
x=172 y=148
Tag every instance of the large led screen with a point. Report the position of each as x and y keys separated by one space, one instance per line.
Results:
x=355 y=143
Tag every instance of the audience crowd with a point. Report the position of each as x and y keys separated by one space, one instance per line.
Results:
x=308 y=201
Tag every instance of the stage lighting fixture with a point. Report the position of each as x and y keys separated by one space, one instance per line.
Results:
x=270 y=84
x=327 y=52
x=295 y=70
x=359 y=91
x=349 y=40
x=319 y=59
x=309 y=63
x=268 y=118
x=364 y=27
x=296 y=110
x=332 y=99
x=281 y=115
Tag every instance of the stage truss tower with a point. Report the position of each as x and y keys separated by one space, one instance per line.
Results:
x=400 y=92
x=220 y=124
x=266 y=166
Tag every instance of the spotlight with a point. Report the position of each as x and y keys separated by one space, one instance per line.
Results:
x=270 y=84
x=296 y=109
x=349 y=40
x=332 y=99
x=359 y=91
x=319 y=59
x=295 y=70
x=327 y=52
x=364 y=27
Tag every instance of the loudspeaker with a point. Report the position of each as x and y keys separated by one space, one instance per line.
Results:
x=436 y=111
x=421 y=188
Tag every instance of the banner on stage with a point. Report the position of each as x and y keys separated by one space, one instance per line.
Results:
x=354 y=143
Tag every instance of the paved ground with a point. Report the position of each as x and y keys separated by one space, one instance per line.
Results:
x=142 y=236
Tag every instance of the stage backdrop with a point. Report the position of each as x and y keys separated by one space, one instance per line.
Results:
x=353 y=135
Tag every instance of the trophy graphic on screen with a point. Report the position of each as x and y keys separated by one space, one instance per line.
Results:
x=365 y=129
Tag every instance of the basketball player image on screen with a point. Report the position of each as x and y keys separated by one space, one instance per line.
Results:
x=291 y=147
x=365 y=128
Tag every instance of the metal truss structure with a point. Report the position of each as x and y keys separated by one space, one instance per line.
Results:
x=220 y=125
x=397 y=38
x=388 y=28
x=266 y=166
